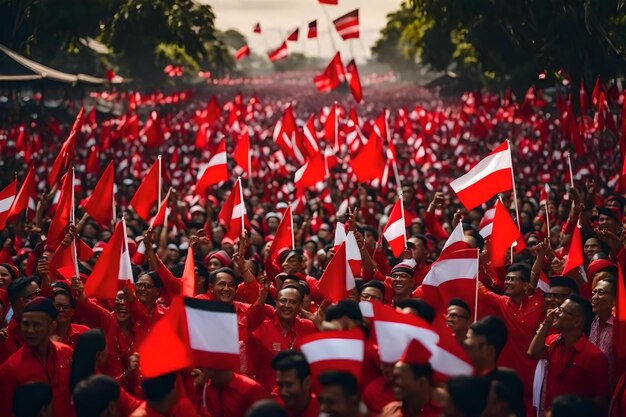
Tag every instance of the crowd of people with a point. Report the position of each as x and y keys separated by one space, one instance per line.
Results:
x=534 y=350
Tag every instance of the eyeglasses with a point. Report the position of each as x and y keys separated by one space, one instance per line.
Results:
x=599 y=293
x=64 y=307
x=144 y=286
x=554 y=295
x=32 y=295
x=455 y=316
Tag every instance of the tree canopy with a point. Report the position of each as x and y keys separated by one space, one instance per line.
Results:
x=498 y=43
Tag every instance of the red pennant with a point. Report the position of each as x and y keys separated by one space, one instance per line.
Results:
x=66 y=154
x=147 y=193
x=503 y=235
x=100 y=203
x=103 y=281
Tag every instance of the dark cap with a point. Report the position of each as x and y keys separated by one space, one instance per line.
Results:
x=41 y=305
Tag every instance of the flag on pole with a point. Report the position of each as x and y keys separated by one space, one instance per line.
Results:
x=242 y=52
x=348 y=25
x=162 y=213
x=293 y=36
x=99 y=205
x=312 y=33
x=147 y=193
x=370 y=163
x=233 y=213
x=337 y=279
x=279 y=53
x=504 y=233
x=25 y=197
x=354 y=81
x=66 y=154
x=283 y=238
x=7 y=197
x=575 y=254
x=395 y=231
x=214 y=172
x=63 y=213
x=241 y=154
x=104 y=280
x=312 y=172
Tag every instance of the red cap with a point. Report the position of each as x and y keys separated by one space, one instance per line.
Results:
x=416 y=354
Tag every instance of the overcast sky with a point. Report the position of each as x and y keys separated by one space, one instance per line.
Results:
x=278 y=18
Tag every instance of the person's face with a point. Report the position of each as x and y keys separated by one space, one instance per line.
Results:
x=293 y=392
x=370 y=240
x=457 y=320
x=173 y=254
x=402 y=283
x=89 y=231
x=147 y=293
x=224 y=288
x=31 y=291
x=476 y=348
x=556 y=296
x=418 y=250
x=218 y=234
x=514 y=285
x=404 y=384
x=121 y=307
x=592 y=246
x=603 y=299
x=288 y=304
x=291 y=264
x=64 y=308
x=36 y=328
x=272 y=223
x=5 y=277
x=323 y=234
x=407 y=195
x=372 y=294
x=607 y=223
x=214 y=264
x=567 y=316
x=334 y=403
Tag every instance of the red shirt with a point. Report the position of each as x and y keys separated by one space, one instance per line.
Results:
x=378 y=394
x=394 y=409
x=73 y=332
x=234 y=399
x=24 y=366
x=522 y=321
x=183 y=408
x=580 y=369
x=312 y=410
x=270 y=338
x=13 y=342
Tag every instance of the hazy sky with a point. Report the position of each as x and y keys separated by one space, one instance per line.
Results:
x=278 y=18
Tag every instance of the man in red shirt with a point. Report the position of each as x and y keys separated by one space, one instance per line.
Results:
x=293 y=262
x=21 y=291
x=575 y=365
x=229 y=394
x=339 y=394
x=163 y=399
x=39 y=359
x=293 y=377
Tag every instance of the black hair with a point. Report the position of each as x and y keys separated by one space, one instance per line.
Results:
x=572 y=406
x=299 y=254
x=177 y=270
x=223 y=270
x=358 y=284
x=480 y=241
x=509 y=387
x=16 y=288
x=60 y=285
x=460 y=303
x=93 y=395
x=379 y=285
x=345 y=308
x=345 y=380
x=153 y=276
x=469 y=394
x=586 y=309
x=494 y=330
x=30 y=398
x=11 y=270
x=298 y=288
x=87 y=346
x=266 y=408
x=61 y=291
x=304 y=286
x=522 y=267
x=422 y=308
x=156 y=389
x=286 y=360
x=423 y=370
x=369 y=229
x=613 y=283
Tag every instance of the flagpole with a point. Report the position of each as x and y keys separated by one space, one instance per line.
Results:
x=243 y=206
x=72 y=221
x=476 y=295
x=394 y=164
x=403 y=222
x=114 y=208
x=571 y=171
x=330 y=29
x=160 y=180
x=293 y=238
x=519 y=226
x=547 y=217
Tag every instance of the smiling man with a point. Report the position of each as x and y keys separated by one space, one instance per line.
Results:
x=293 y=377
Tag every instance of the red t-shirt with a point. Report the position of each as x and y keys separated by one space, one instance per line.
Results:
x=312 y=410
x=234 y=399
x=378 y=394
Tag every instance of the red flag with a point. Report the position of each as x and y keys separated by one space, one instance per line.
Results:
x=354 y=81
x=100 y=203
x=312 y=33
x=257 y=28
x=214 y=172
x=189 y=275
x=619 y=335
x=332 y=77
x=214 y=111
x=544 y=194
x=147 y=193
x=279 y=53
x=370 y=163
x=66 y=154
x=93 y=161
x=293 y=36
x=63 y=262
x=621 y=184
x=312 y=172
x=575 y=253
x=332 y=2
x=395 y=230
x=283 y=239
x=331 y=127
x=168 y=335
x=337 y=279
x=310 y=137
x=490 y=176
x=285 y=132
x=159 y=218
x=622 y=145
x=242 y=52
x=7 y=197
x=348 y=25
x=233 y=213
x=63 y=213
x=582 y=94
x=103 y=281
x=151 y=132
x=27 y=191
x=241 y=154
x=503 y=234
x=597 y=89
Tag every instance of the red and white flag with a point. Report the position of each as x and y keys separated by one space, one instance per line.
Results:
x=26 y=197
x=242 y=52
x=452 y=275
x=310 y=136
x=395 y=230
x=104 y=280
x=214 y=172
x=456 y=240
x=7 y=197
x=354 y=81
x=575 y=254
x=490 y=176
x=162 y=213
x=99 y=205
x=486 y=224
x=257 y=28
x=312 y=172
x=233 y=213
x=279 y=53
x=334 y=350
x=139 y=257
x=348 y=25
x=147 y=193
x=241 y=154
x=504 y=234
x=285 y=132
x=293 y=36
x=213 y=334
x=126 y=271
x=337 y=279
x=544 y=194
x=353 y=254
x=332 y=77
x=312 y=33
x=283 y=238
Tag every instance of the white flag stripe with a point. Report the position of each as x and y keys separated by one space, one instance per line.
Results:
x=451 y=269
x=446 y=363
x=5 y=203
x=126 y=271
x=340 y=234
x=203 y=327
x=217 y=159
x=486 y=231
x=333 y=349
x=456 y=236
x=238 y=211
x=393 y=338
x=352 y=248
x=395 y=230
x=489 y=165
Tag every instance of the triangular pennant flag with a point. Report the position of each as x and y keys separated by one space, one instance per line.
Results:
x=147 y=193
x=23 y=196
x=63 y=261
x=283 y=238
x=575 y=252
x=63 y=213
x=159 y=219
x=312 y=172
x=233 y=213
x=503 y=234
x=395 y=230
x=337 y=278
x=62 y=161
x=100 y=203
x=103 y=281
x=189 y=275
x=7 y=197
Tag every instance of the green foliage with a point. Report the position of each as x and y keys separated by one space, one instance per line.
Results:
x=499 y=43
